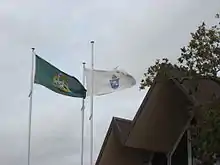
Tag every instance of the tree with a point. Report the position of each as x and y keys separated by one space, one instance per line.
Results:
x=200 y=57
x=206 y=134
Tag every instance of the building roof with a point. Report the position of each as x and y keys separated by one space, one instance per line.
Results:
x=164 y=113
x=116 y=123
x=113 y=151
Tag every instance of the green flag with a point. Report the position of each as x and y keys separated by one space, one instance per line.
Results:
x=56 y=80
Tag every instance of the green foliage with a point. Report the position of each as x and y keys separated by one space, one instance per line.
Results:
x=201 y=54
x=152 y=71
x=206 y=134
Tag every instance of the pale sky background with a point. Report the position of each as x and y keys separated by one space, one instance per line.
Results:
x=129 y=34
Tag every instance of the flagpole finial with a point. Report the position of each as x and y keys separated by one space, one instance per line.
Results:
x=92 y=42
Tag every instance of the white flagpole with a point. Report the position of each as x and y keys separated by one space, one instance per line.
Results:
x=30 y=105
x=169 y=159
x=82 y=110
x=91 y=116
x=189 y=147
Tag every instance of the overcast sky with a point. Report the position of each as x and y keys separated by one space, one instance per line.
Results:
x=128 y=34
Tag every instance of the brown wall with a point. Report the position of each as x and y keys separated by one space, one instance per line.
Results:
x=180 y=156
x=159 y=159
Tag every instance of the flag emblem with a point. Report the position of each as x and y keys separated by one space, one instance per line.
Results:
x=60 y=82
x=114 y=82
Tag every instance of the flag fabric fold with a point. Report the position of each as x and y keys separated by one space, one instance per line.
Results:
x=56 y=80
x=106 y=82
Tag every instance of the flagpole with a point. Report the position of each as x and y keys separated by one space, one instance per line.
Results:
x=189 y=147
x=82 y=111
x=30 y=104
x=91 y=116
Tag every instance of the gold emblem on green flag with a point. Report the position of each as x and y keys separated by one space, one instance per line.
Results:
x=60 y=82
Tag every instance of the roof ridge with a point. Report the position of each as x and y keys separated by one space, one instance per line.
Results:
x=121 y=119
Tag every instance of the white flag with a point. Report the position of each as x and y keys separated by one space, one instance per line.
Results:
x=106 y=82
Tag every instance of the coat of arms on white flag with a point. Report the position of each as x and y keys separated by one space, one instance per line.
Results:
x=106 y=82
